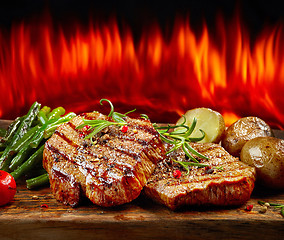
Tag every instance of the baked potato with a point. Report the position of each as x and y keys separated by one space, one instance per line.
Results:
x=208 y=120
x=266 y=154
x=242 y=131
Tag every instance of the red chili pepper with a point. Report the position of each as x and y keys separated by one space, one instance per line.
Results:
x=124 y=128
x=86 y=128
x=7 y=188
x=81 y=135
x=44 y=206
x=249 y=207
x=177 y=174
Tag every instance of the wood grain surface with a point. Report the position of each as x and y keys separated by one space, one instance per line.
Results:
x=37 y=215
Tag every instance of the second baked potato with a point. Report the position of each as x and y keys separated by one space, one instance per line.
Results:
x=242 y=131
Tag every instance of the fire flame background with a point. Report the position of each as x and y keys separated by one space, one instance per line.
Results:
x=161 y=59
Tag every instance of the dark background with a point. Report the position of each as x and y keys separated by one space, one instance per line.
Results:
x=138 y=14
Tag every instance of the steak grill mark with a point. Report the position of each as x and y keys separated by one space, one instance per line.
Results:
x=110 y=172
x=123 y=167
x=230 y=186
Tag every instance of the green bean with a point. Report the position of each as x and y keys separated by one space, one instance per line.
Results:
x=5 y=159
x=3 y=132
x=37 y=181
x=29 y=164
x=21 y=130
x=45 y=110
x=21 y=156
x=28 y=120
x=56 y=113
x=11 y=131
x=48 y=129
x=36 y=140
x=27 y=148
x=27 y=137
x=42 y=117
x=52 y=127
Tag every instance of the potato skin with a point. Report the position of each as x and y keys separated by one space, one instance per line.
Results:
x=266 y=154
x=242 y=131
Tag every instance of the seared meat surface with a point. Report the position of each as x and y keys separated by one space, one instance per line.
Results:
x=111 y=171
x=228 y=181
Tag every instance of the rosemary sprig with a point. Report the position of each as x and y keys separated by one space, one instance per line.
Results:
x=186 y=165
x=179 y=136
x=97 y=125
x=276 y=205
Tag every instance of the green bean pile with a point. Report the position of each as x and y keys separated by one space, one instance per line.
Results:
x=22 y=144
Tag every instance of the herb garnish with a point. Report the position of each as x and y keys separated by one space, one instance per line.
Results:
x=98 y=125
x=179 y=136
x=186 y=165
x=276 y=205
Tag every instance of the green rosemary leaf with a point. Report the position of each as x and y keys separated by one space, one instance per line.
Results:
x=89 y=122
x=111 y=106
x=165 y=139
x=98 y=125
x=176 y=146
x=185 y=149
x=97 y=130
x=178 y=136
x=183 y=123
x=186 y=165
x=118 y=117
x=180 y=130
x=144 y=116
x=131 y=111
x=220 y=168
x=81 y=126
x=190 y=130
x=191 y=149
x=197 y=139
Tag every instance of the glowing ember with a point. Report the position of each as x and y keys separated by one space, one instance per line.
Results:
x=163 y=78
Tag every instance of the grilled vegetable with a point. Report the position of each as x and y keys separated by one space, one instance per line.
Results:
x=242 y=131
x=37 y=181
x=31 y=162
x=266 y=154
x=20 y=132
x=10 y=132
x=24 y=140
x=3 y=132
x=208 y=120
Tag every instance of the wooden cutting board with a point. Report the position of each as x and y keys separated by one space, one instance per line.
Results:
x=37 y=215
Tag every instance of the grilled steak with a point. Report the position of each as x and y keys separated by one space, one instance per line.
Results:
x=111 y=171
x=228 y=181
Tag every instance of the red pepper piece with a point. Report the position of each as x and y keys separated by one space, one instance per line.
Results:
x=177 y=174
x=249 y=207
x=124 y=129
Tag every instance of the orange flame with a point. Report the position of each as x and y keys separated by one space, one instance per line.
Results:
x=162 y=77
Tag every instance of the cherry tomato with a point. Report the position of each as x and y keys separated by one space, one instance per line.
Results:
x=7 y=187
